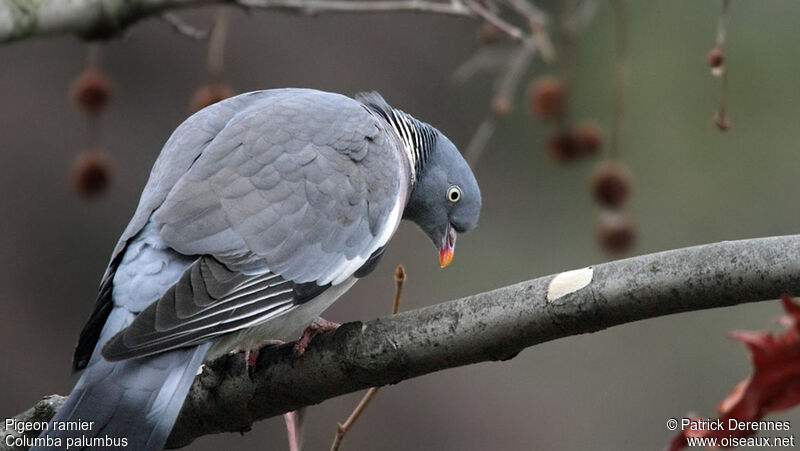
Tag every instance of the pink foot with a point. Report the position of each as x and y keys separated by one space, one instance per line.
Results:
x=317 y=326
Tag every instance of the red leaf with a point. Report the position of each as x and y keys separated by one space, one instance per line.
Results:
x=774 y=385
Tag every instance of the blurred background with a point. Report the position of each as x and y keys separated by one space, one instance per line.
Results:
x=609 y=390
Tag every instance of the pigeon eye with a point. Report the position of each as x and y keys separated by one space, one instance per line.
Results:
x=454 y=194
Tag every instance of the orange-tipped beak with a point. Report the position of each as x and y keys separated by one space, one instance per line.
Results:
x=448 y=246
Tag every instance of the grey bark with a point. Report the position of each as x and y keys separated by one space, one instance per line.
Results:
x=495 y=325
x=98 y=19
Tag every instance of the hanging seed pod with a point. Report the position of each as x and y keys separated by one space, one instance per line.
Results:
x=611 y=184
x=616 y=232
x=563 y=147
x=91 y=174
x=547 y=97
x=716 y=61
x=91 y=91
x=590 y=137
x=721 y=120
x=211 y=94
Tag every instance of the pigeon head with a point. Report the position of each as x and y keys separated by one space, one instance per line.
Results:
x=445 y=199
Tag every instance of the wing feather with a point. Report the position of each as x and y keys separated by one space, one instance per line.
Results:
x=184 y=313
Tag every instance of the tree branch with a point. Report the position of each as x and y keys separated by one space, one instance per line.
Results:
x=495 y=325
x=105 y=18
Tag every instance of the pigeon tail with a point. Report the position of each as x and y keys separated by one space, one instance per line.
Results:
x=130 y=404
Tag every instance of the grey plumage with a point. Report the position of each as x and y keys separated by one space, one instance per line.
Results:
x=260 y=211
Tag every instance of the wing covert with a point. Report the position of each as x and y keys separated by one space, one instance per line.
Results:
x=306 y=184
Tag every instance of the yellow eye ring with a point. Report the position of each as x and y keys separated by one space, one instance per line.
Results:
x=454 y=194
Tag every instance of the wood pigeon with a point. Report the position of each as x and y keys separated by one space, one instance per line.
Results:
x=260 y=211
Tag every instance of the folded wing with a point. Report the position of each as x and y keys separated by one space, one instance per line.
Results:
x=294 y=194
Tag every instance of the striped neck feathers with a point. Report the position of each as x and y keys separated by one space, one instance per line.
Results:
x=418 y=138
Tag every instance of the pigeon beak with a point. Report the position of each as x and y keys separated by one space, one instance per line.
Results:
x=448 y=246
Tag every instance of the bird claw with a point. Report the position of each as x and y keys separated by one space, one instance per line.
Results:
x=250 y=360
x=251 y=355
x=319 y=325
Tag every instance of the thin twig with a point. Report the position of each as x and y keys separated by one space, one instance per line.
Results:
x=94 y=59
x=621 y=76
x=722 y=23
x=569 y=37
x=723 y=88
x=573 y=21
x=399 y=281
x=721 y=71
x=517 y=66
x=216 y=45
x=537 y=21
x=483 y=60
x=355 y=6
x=182 y=27
x=480 y=139
x=341 y=429
x=492 y=18
x=506 y=87
x=528 y=10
